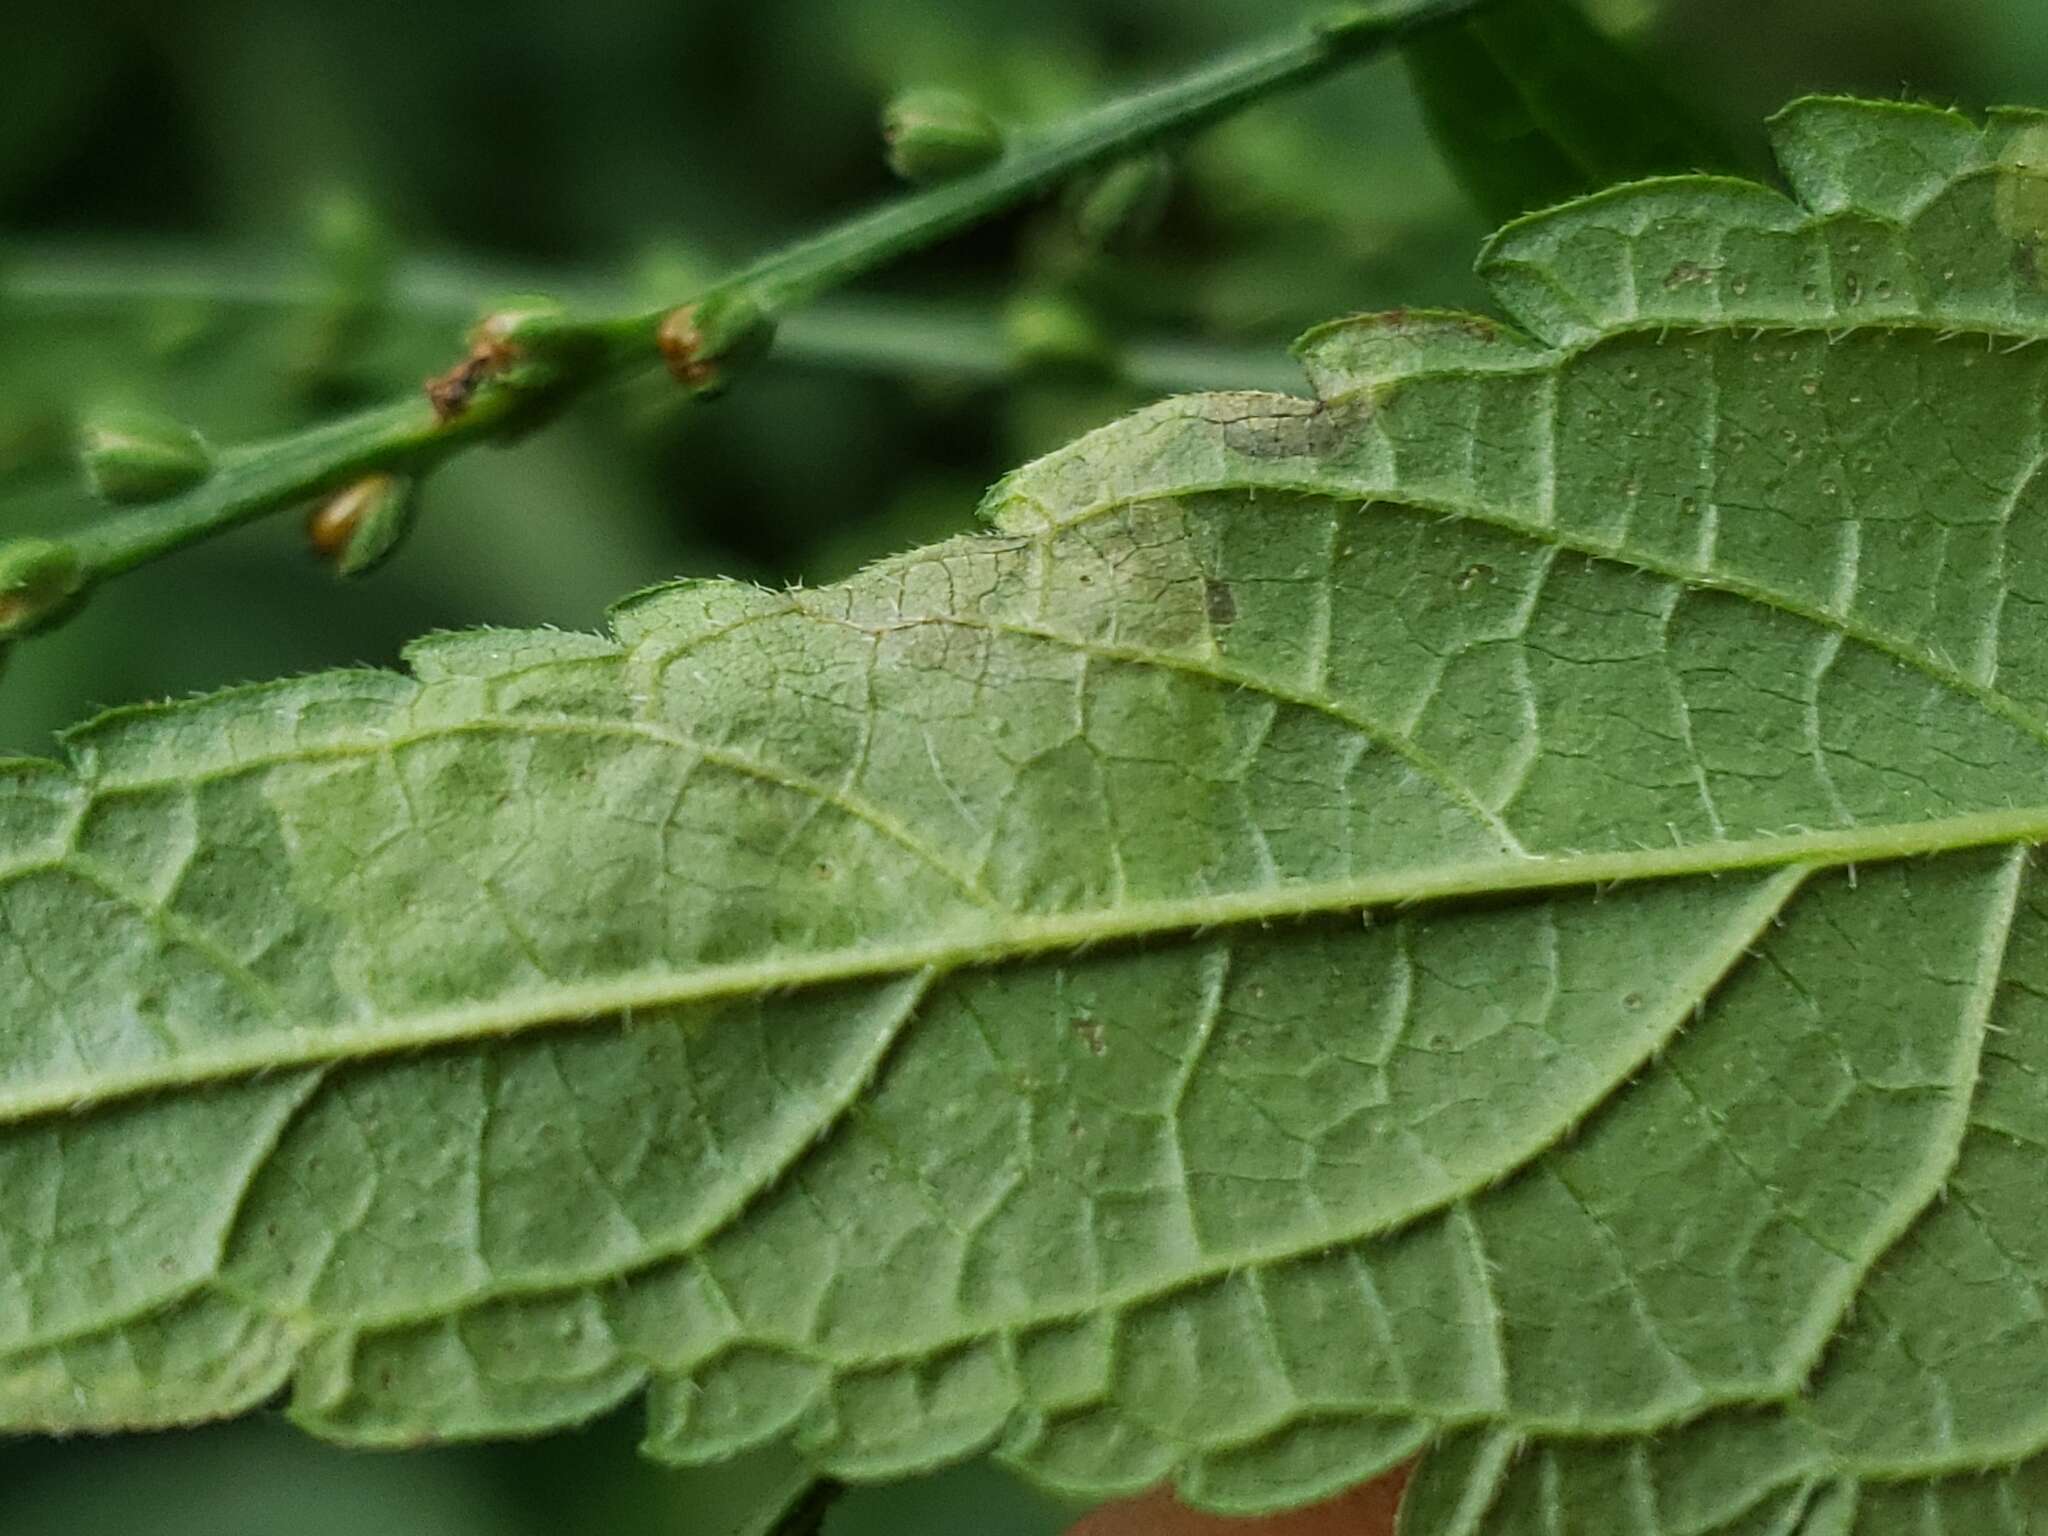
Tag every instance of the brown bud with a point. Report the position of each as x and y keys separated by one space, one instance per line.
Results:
x=515 y=331
x=704 y=342
x=359 y=526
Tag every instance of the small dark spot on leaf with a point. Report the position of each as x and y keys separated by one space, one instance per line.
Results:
x=1090 y=1032
x=1632 y=1000
x=1220 y=601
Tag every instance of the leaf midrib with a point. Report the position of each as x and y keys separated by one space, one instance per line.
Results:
x=995 y=941
x=1004 y=936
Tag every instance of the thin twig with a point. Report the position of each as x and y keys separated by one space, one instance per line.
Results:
x=887 y=336
x=520 y=373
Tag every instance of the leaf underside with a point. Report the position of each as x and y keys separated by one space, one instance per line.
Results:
x=1492 y=910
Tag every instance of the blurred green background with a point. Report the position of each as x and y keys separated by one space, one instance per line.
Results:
x=168 y=172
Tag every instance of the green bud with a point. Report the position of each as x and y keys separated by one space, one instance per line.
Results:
x=41 y=581
x=937 y=135
x=140 y=456
x=1047 y=331
x=361 y=525
x=705 y=343
x=1123 y=204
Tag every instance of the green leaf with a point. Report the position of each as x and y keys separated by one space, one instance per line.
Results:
x=1532 y=104
x=1490 y=910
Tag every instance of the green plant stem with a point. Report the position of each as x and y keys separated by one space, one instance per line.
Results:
x=888 y=336
x=411 y=436
x=1039 y=162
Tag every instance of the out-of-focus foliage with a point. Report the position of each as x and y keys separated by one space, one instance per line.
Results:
x=632 y=139
x=1532 y=103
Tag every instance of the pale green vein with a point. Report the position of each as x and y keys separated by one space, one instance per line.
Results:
x=1944 y=1147
x=1704 y=974
x=844 y=1099
x=855 y=807
x=1990 y=699
x=992 y=943
x=171 y=928
x=281 y=1116
x=1377 y=732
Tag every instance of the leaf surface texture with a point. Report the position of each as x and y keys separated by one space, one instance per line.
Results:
x=1490 y=909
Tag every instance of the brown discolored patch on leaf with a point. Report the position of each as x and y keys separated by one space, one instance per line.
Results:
x=1263 y=426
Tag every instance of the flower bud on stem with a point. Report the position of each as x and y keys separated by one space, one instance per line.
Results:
x=937 y=135
x=361 y=525
x=41 y=582
x=706 y=343
x=133 y=456
x=524 y=333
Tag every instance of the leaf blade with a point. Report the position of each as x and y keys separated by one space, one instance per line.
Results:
x=932 y=1012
